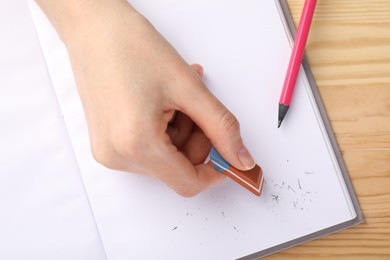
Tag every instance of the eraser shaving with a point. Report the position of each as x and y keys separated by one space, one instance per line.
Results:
x=251 y=180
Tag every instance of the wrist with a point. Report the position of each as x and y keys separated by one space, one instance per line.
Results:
x=74 y=18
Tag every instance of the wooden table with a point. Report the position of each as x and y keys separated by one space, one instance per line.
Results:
x=349 y=53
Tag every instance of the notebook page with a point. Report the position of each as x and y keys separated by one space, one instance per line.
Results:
x=43 y=206
x=244 y=50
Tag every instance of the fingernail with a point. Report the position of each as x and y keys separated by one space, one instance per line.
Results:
x=246 y=158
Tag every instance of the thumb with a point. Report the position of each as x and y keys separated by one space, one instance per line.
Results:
x=215 y=120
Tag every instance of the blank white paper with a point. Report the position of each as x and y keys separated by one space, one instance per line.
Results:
x=44 y=210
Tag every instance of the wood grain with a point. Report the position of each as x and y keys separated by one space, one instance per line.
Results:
x=349 y=53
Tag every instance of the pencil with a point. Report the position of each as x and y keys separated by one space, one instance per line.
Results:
x=296 y=58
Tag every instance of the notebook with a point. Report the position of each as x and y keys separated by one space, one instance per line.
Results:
x=244 y=47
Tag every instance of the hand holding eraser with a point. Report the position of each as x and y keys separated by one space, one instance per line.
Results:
x=252 y=180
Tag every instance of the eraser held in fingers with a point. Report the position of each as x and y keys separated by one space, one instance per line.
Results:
x=251 y=180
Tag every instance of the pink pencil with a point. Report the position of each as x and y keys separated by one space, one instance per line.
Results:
x=296 y=58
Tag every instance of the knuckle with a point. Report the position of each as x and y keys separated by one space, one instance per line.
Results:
x=126 y=146
x=188 y=190
x=187 y=193
x=117 y=150
x=228 y=124
x=103 y=156
x=126 y=139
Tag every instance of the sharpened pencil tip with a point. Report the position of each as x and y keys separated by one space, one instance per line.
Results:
x=282 y=113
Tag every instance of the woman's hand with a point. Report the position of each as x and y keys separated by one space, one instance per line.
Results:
x=147 y=110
